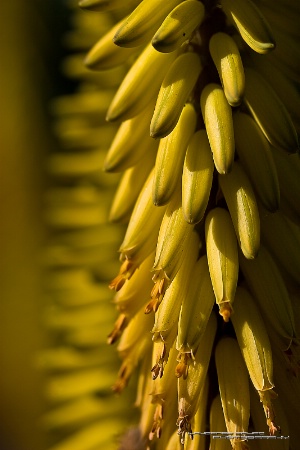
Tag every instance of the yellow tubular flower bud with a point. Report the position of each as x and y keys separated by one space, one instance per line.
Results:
x=227 y=59
x=269 y=290
x=140 y=85
x=197 y=177
x=174 y=240
x=163 y=390
x=170 y=156
x=199 y=421
x=142 y=23
x=256 y=158
x=282 y=238
x=166 y=317
x=242 y=206
x=234 y=388
x=106 y=5
x=140 y=237
x=194 y=314
x=175 y=90
x=222 y=254
x=131 y=298
x=251 y=24
x=129 y=188
x=105 y=55
x=256 y=350
x=270 y=113
x=178 y=26
x=189 y=389
x=133 y=345
x=217 y=116
x=217 y=422
x=126 y=150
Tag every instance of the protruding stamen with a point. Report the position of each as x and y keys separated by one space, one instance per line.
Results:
x=158 y=368
x=182 y=367
x=127 y=269
x=184 y=427
x=123 y=376
x=157 y=293
x=157 y=423
x=119 y=327
x=266 y=399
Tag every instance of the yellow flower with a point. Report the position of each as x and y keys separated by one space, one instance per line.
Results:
x=173 y=79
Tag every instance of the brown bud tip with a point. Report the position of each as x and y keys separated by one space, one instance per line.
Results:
x=225 y=311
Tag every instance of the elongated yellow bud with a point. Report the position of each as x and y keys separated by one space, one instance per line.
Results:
x=253 y=340
x=168 y=169
x=125 y=150
x=106 y=5
x=199 y=422
x=234 y=388
x=217 y=117
x=268 y=288
x=142 y=23
x=256 y=350
x=163 y=390
x=222 y=255
x=189 y=389
x=228 y=62
x=175 y=90
x=166 y=318
x=282 y=238
x=140 y=85
x=129 y=188
x=251 y=24
x=270 y=113
x=217 y=422
x=197 y=177
x=194 y=315
x=131 y=298
x=256 y=157
x=242 y=206
x=178 y=26
x=105 y=54
x=133 y=344
x=173 y=239
x=141 y=234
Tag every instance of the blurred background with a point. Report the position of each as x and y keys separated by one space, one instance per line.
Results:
x=31 y=52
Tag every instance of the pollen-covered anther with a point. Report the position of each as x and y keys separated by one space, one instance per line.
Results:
x=127 y=269
x=158 y=368
x=119 y=327
x=181 y=370
x=123 y=376
x=157 y=294
x=225 y=310
x=157 y=423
